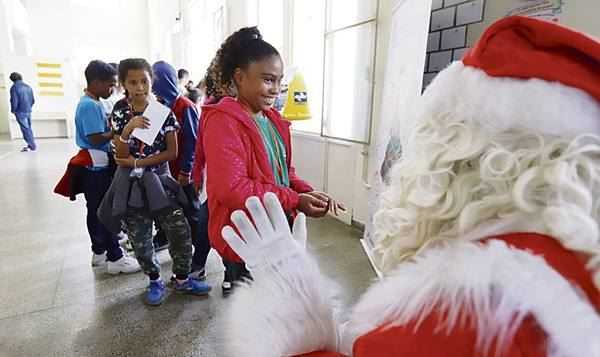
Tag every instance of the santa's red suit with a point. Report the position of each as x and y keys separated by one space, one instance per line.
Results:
x=511 y=268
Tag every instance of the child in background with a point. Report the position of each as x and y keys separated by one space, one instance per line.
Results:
x=93 y=135
x=143 y=188
x=164 y=86
x=247 y=143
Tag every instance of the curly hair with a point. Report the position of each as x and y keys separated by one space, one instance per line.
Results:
x=457 y=180
x=239 y=50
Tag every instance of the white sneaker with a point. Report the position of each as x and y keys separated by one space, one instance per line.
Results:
x=125 y=265
x=98 y=260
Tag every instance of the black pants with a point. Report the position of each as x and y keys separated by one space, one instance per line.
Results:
x=95 y=185
x=196 y=214
x=198 y=220
x=235 y=271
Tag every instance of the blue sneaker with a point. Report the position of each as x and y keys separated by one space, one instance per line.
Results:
x=156 y=292
x=191 y=286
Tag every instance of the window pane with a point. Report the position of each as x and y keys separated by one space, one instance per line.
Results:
x=349 y=83
x=270 y=23
x=347 y=12
x=308 y=31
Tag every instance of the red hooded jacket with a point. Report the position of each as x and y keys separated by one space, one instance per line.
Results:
x=238 y=166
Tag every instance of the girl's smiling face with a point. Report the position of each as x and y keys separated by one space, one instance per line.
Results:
x=137 y=84
x=259 y=83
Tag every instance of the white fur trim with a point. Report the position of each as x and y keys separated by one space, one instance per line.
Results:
x=288 y=310
x=500 y=104
x=497 y=284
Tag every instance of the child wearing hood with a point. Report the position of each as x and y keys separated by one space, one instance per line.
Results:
x=164 y=86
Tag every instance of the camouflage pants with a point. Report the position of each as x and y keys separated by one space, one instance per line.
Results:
x=139 y=229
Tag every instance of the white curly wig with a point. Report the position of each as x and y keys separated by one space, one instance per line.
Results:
x=492 y=155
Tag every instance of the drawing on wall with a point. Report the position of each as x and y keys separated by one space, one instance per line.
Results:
x=402 y=88
x=545 y=9
x=393 y=152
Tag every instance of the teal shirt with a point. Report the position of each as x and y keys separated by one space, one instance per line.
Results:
x=275 y=148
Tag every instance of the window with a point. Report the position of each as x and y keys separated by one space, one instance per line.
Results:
x=271 y=23
x=349 y=69
x=332 y=44
x=307 y=57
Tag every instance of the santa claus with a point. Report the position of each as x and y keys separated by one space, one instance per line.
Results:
x=487 y=235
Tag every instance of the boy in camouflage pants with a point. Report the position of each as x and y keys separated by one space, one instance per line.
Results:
x=176 y=229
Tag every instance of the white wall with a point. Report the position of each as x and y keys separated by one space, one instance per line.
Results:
x=72 y=33
x=186 y=33
x=4 y=82
x=81 y=30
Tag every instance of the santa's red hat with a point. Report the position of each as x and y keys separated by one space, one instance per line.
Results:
x=524 y=73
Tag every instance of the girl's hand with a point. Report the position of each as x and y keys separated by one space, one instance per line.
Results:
x=312 y=206
x=332 y=205
x=126 y=162
x=137 y=121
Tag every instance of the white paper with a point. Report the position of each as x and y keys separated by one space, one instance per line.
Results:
x=157 y=114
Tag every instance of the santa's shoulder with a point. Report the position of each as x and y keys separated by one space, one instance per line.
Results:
x=487 y=290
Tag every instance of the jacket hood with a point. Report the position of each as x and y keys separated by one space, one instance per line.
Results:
x=231 y=107
x=164 y=82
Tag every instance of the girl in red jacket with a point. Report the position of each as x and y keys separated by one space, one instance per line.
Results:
x=247 y=143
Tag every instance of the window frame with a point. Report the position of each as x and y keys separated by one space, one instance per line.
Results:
x=328 y=34
x=288 y=54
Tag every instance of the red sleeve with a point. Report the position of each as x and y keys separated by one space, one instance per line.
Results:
x=296 y=183
x=428 y=338
x=227 y=162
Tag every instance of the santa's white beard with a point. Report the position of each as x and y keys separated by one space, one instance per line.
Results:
x=459 y=182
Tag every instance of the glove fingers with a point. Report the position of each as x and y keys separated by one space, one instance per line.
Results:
x=276 y=213
x=299 y=230
x=260 y=218
x=235 y=242
x=246 y=228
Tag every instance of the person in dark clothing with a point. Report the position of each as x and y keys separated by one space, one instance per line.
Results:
x=93 y=134
x=21 y=102
x=164 y=86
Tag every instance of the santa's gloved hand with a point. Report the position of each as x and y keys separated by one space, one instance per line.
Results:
x=269 y=240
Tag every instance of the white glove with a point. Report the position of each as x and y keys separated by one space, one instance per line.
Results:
x=269 y=240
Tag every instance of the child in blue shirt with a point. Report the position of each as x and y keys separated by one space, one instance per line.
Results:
x=93 y=134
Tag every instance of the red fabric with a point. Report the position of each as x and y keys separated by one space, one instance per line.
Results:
x=66 y=185
x=180 y=105
x=530 y=339
x=522 y=47
x=424 y=339
x=238 y=166
x=322 y=354
x=569 y=264
x=200 y=158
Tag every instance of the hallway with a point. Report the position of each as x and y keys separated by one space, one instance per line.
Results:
x=53 y=303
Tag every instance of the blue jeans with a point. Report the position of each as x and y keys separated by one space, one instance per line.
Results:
x=95 y=185
x=24 y=120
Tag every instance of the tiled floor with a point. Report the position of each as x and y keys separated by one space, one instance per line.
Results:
x=52 y=303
